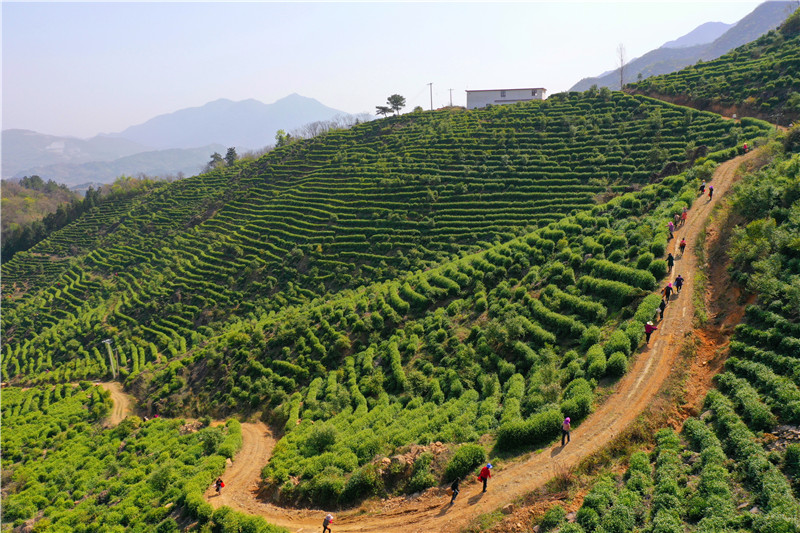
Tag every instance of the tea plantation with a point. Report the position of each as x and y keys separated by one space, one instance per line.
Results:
x=169 y=269
x=721 y=473
x=65 y=472
x=467 y=277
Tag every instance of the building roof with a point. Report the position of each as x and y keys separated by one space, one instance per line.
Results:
x=495 y=90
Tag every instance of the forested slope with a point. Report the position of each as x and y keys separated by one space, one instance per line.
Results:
x=758 y=79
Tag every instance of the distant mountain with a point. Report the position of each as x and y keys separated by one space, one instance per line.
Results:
x=24 y=149
x=762 y=19
x=164 y=145
x=188 y=161
x=704 y=33
x=248 y=124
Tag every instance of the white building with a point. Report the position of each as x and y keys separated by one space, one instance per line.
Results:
x=483 y=98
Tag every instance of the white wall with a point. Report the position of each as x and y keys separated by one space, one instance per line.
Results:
x=509 y=96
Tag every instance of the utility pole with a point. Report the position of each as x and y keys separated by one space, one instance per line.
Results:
x=431 y=86
x=451 y=97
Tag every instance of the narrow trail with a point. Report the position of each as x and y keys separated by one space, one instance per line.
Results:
x=429 y=511
x=122 y=402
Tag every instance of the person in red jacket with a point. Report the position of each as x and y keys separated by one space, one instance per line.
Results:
x=649 y=328
x=485 y=474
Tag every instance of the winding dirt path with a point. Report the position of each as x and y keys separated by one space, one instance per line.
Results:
x=122 y=402
x=429 y=511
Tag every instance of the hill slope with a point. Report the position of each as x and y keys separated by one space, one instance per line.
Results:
x=765 y=17
x=759 y=79
x=359 y=206
x=736 y=466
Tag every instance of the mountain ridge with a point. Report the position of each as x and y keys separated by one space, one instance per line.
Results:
x=704 y=33
x=765 y=17
x=245 y=124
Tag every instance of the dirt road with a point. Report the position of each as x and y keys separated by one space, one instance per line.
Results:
x=429 y=511
x=122 y=402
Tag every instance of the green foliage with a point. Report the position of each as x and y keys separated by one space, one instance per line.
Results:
x=465 y=459
x=538 y=429
x=71 y=467
x=553 y=518
x=617 y=364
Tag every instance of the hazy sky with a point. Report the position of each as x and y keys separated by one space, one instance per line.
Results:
x=84 y=68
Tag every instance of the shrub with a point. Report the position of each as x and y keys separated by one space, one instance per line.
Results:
x=617 y=364
x=596 y=367
x=365 y=482
x=659 y=245
x=464 y=460
x=587 y=518
x=658 y=268
x=225 y=520
x=791 y=461
x=618 y=342
x=538 y=429
x=421 y=476
x=322 y=437
x=327 y=487
x=553 y=518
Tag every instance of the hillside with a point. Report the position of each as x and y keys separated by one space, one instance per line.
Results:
x=30 y=200
x=762 y=19
x=277 y=286
x=759 y=79
x=348 y=208
x=401 y=301
x=735 y=468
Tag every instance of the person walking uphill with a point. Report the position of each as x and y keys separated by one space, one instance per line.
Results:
x=649 y=328
x=326 y=522
x=710 y=192
x=670 y=261
x=682 y=246
x=667 y=292
x=219 y=484
x=454 y=488
x=661 y=307
x=565 y=428
x=678 y=283
x=485 y=475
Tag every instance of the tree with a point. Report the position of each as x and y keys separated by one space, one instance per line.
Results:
x=382 y=110
x=621 y=56
x=282 y=138
x=231 y=156
x=216 y=161
x=396 y=102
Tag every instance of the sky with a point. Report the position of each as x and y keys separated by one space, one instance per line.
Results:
x=80 y=69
